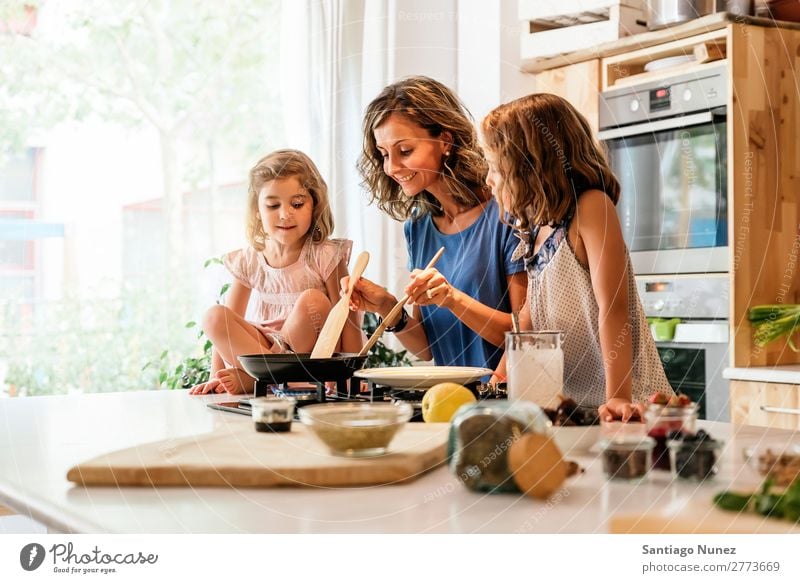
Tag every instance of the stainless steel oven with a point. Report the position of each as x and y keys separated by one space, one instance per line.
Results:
x=667 y=142
x=695 y=351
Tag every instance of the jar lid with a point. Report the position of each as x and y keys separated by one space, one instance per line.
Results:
x=627 y=443
x=699 y=445
x=272 y=403
x=671 y=409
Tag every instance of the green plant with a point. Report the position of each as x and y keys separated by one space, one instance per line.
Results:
x=191 y=370
x=91 y=344
x=771 y=322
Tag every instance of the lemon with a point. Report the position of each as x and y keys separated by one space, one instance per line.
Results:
x=442 y=401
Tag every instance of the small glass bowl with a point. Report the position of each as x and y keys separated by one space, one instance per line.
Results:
x=356 y=429
x=660 y=421
x=627 y=459
x=778 y=460
x=272 y=414
x=694 y=460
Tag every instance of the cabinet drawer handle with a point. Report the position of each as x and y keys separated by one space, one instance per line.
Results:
x=780 y=410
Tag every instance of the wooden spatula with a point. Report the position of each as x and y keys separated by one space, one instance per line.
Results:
x=390 y=317
x=329 y=335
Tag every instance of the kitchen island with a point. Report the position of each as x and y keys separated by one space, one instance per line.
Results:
x=42 y=437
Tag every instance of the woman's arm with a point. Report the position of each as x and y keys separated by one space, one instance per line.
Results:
x=352 y=339
x=488 y=323
x=600 y=235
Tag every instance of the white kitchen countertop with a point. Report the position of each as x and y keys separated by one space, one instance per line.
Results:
x=787 y=374
x=42 y=437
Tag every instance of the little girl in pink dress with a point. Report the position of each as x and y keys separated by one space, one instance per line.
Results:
x=291 y=265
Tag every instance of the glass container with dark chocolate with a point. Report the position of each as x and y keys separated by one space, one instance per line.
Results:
x=626 y=459
x=273 y=414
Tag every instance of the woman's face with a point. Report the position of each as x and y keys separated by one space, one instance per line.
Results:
x=411 y=156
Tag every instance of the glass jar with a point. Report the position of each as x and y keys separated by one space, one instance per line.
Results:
x=481 y=435
x=663 y=420
x=272 y=414
x=626 y=459
x=694 y=459
x=535 y=367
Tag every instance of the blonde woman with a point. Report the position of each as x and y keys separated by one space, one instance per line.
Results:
x=422 y=164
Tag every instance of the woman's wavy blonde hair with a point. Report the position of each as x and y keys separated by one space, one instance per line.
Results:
x=286 y=164
x=546 y=156
x=434 y=107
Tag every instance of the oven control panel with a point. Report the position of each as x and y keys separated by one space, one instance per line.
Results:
x=674 y=96
x=688 y=296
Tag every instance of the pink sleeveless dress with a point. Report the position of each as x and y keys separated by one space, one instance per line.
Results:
x=277 y=289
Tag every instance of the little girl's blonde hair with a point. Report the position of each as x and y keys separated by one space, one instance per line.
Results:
x=547 y=157
x=286 y=164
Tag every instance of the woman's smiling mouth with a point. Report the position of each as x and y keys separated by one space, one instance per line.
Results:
x=402 y=179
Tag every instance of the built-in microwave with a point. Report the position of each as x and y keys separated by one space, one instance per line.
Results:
x=667 y=145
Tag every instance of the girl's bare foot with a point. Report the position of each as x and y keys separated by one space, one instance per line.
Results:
x=235 y=380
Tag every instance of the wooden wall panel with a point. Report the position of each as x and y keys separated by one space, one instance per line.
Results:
x=579 y=84
x=764 y=166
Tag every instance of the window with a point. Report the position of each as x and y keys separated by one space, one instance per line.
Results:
x=146 y=119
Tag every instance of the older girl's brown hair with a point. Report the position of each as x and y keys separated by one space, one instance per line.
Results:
x=546 y=156
x=287 y=164
x=436 y=108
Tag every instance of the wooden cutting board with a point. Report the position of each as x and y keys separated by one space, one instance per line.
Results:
x=239 y=456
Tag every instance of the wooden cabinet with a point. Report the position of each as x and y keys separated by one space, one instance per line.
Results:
x=767 y=404
x=579 y=84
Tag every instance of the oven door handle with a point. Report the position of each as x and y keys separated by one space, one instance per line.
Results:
x=660 y=125
x=787 y=410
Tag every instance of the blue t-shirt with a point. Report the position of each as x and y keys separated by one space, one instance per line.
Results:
x=477 y=261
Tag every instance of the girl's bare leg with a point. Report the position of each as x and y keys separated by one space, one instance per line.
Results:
x=232 y=336
x=306 y=319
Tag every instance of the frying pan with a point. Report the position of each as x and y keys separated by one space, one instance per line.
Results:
x=300 y=367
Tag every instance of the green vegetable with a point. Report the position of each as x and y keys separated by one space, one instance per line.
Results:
x=765 y=502
x=732 y=501
x=771 y=322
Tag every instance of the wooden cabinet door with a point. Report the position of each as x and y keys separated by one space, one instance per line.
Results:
x=755 y=403
x=579 y=84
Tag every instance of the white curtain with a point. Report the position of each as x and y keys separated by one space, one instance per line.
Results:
x=335 y=58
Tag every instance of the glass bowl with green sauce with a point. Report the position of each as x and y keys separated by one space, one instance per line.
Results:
x=356 y=429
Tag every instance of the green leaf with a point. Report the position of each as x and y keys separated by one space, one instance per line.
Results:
x=732 y=501
x=224 y=289
x=190 y=324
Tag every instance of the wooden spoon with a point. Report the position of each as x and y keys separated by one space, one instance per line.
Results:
x=332 y=330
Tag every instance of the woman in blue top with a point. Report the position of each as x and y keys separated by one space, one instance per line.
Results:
x=422 y=164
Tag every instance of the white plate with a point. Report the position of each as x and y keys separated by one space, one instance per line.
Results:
x=422 y=377
x=667 y=62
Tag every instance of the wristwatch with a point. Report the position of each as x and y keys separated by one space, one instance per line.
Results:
x=401 y=322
